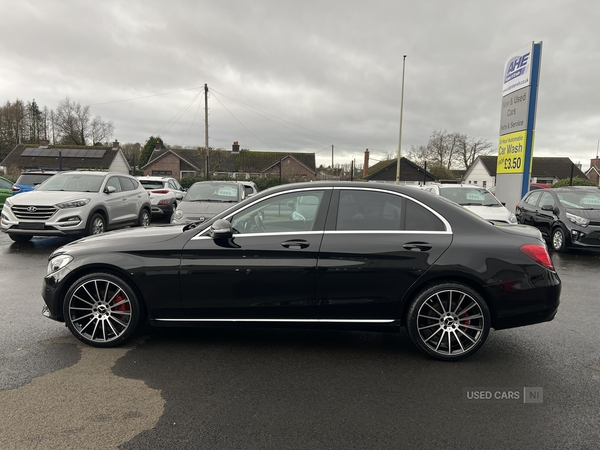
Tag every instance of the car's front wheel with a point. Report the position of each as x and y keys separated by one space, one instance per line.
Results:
x=448 y=321
x=559 y=240
x=101 y=310
x=97 y=224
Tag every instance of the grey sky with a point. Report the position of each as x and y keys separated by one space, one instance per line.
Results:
x=318 y=72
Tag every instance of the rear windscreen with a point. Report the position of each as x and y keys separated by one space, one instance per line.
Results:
x=32 y=179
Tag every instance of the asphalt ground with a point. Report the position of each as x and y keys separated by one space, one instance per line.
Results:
x=222 y=388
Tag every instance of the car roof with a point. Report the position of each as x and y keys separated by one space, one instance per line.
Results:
x=153 y=178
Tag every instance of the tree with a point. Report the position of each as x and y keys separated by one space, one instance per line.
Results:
x=470 y=148
x=75 y=126
x=577 y=181
x=132 y=153
x=149 y=147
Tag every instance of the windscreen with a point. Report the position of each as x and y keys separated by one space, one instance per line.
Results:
x=470 y=196
x=73 y=182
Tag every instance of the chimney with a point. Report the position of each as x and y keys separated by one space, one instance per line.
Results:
x=116 y=143
x=44 y=142
x=366 y=164
x=235 y=148
x=158 y=144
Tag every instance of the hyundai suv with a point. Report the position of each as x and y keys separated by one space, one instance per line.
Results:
x=76 y=204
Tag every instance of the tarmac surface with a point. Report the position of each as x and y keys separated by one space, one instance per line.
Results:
x=288 y=389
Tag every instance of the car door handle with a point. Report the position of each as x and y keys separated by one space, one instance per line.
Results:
x=417 y=246
x=295 y=244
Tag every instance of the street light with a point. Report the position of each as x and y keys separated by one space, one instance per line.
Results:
x=400 y=135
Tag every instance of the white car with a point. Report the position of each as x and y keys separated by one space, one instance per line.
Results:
x=76 y=204
x=476 y=199
x=165 y=193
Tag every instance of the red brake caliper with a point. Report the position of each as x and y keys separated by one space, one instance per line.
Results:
x=466 y=322
x=123 y=306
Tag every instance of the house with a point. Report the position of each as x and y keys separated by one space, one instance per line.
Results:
x=545 y=170
x=181 y=163
x=385 y=172
x=593 y=173
x=65 y=157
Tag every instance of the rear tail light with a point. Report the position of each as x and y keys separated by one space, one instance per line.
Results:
x=162 y=191
x=539 y=253
x=16 y=188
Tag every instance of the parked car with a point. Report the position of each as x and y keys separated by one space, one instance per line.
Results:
x=27 y=181
x=567 y=217
x=165 y=193
x=5 y=190
x=474 y=198
x=204 y=199
x=371 y=258
x=75 y=204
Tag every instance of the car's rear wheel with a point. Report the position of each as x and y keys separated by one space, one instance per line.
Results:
x=101 y=310
x=144 y=219
x=448 y=321
x=20 y=237
x=97 y=224
x=559 y=240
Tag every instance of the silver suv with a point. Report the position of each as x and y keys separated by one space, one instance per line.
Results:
x=76 y=204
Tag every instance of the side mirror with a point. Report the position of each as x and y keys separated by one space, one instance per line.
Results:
x=547 y=208
x=221 y=229
x=111 y=190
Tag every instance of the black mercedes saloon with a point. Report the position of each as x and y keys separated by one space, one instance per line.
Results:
x=344 y=254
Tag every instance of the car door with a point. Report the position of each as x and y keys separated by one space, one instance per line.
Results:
x=266 y=272
x=116 y=202
x=376 y=245
x=133 y=198
x=528 y=208
x=545 y=217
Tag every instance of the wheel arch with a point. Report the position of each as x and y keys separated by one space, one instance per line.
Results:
x=424 y=284
x=73 y=276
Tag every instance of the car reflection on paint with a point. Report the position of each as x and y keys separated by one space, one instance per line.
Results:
x=357 y=256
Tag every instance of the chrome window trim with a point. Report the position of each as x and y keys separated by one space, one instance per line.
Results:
x=283 y=320
x=448 y=230
x=400 y=194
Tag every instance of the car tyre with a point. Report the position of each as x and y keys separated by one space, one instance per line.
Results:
x=96 y=225
x=102 y=310
x=144 y=219
x=20 y=238
x=448 y=321
x=559 y=240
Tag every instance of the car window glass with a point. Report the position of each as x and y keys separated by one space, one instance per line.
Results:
x=279 y=214
x=126 y=184
x=172 y=185
x=4 y=184
x=579 y=200
x=73 y=182
x=418 y=218
x=369 y=210
x=114 y=182
x=533 y=198
x=547 y=199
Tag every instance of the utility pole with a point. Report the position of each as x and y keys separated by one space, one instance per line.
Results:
x=400 y=135
x=332 y=158
x=206 y=128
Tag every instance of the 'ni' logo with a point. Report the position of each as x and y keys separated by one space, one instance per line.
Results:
x=516 y=67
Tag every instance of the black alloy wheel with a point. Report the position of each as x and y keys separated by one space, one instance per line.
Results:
x=448 y=321
x=101 y=310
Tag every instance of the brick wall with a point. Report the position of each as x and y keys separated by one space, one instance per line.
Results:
x=291 y=169
x=167 y=163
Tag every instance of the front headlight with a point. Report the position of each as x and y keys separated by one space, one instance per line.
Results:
x=73 y=204
x=578 y=220
x=512 y=218
x=178 y=214
x=58 y=262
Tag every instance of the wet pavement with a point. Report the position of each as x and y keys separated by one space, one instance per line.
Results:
x=271 y=388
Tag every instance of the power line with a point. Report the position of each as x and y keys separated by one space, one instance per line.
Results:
x=146 y=96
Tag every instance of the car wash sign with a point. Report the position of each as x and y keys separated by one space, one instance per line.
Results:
x=517 y=123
